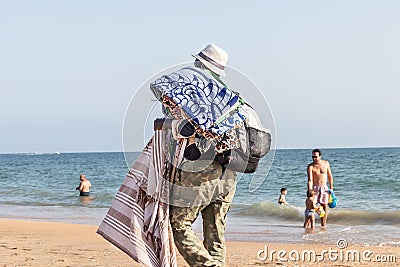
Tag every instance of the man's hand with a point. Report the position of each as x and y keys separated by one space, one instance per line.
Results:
x=162 y=123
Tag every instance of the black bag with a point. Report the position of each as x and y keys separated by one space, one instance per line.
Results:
x=254 y=144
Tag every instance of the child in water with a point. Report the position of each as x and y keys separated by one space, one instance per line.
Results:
x=309 y=216
x=282 y=199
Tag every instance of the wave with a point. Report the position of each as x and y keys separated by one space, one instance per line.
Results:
x=92 y=201
x=269 y=210
x=38 y=153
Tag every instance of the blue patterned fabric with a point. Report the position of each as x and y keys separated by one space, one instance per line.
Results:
x=203 y=99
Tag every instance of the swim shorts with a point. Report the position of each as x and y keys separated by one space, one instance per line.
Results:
x=321 y=194
x=84 y=194
x=308 y=213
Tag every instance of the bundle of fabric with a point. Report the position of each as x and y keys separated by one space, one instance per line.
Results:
x=217 y=113
x=208 y=104
x=138 y=219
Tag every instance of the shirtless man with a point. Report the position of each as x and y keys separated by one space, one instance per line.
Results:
x=319 y=172
x=84 y=186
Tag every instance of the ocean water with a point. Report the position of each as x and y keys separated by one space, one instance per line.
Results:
x=366 y=182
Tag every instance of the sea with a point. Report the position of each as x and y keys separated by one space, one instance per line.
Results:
x=41 y=187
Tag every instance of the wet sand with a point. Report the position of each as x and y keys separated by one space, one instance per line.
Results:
x=26 y=243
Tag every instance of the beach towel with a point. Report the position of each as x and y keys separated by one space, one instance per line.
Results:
x=206 y=102
x=138 y=219
x=218 y=113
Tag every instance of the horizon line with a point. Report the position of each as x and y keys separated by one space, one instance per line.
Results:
x=115 y=151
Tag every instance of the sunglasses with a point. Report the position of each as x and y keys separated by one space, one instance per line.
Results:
x=314 y=157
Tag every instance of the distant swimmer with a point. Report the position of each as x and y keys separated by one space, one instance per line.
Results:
x=319 y=173
x=84 y=186
x=282 y=198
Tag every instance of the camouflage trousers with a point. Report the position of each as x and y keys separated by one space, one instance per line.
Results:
x=213 y=208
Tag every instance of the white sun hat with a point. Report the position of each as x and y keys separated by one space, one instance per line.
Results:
x=214 y=58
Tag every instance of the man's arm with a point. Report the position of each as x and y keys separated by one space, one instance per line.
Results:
x=79 y=186
x=310 y=178
x=330 y=177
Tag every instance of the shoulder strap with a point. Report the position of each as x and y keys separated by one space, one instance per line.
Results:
x=233 y=109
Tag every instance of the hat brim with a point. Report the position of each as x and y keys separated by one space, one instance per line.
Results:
x=210 y=66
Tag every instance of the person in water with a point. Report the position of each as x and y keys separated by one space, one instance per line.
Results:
x=84 y=186
x=319 y=173
x=309 y=216
x=282 y=198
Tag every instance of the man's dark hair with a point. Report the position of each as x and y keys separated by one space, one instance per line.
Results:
x=283 y=189
x=317 y=151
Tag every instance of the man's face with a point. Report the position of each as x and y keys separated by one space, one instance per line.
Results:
x=316 y=157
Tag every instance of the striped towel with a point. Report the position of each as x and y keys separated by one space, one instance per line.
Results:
x=137 y=221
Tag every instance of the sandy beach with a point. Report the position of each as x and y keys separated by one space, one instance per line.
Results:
x=28 y=243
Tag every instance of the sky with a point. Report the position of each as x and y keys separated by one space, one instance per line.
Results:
x=329 y=70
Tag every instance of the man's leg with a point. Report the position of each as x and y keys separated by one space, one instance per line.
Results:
x=324 y=199
x=186 y=240
x=214 y=223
